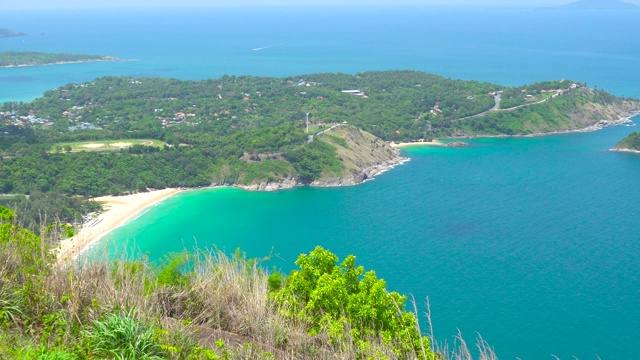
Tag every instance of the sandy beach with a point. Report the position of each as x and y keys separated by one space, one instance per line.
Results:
x=417 y=143
x=117 y=210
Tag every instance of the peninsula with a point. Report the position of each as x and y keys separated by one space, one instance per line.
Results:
x=127 y=135
x=5 y=33
x=30 y=58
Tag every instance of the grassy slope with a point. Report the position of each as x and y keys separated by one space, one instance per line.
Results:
x=359 y=152
x=578 y=110
x=209 y=306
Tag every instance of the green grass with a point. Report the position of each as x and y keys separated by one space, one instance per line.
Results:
x=124 y=336
x=9 y=199
x=105 y=145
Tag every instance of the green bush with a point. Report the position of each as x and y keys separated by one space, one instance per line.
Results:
x=6 y=214
x=349 y=304
x=171 y=274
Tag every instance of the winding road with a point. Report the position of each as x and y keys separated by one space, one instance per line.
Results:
x=498 y=98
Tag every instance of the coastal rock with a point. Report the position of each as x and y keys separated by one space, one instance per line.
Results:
x=358 y=177
x=363 y=155
x=283 y=184
x=457 y=144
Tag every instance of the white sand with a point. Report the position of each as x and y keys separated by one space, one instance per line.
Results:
x=419 y=143
x=117 y=210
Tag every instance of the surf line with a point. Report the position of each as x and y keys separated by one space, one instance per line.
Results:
x=266 y=47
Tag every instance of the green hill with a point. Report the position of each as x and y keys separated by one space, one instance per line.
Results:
x=631 y=143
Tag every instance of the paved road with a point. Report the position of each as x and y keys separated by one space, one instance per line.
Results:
x=496 y=107
x=324 y=131
x=497 y=98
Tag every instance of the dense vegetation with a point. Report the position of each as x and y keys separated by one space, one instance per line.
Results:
x=48 y=211
x=24 y=58
x=242 y=130
x=631 y=142
x=202 y=306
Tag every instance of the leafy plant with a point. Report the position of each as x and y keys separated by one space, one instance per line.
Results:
x=349 y=304
x=171 y=272
x=123 y=336
x=6 y=214
x=10 y=308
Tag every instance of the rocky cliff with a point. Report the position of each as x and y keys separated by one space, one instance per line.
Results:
x=362 y=154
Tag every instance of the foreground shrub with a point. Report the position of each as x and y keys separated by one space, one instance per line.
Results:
x=351 y=306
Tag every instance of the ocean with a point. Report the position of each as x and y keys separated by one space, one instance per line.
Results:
x=531 y=242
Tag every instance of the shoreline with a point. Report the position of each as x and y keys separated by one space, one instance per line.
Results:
x=602 y=124
x=119 y=210
x=356 y=178
x=65 y=63
x=435 y=142
x=631 y=151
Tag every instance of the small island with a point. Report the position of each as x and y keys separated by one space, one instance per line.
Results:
x=30 y=58
x=629 y=144
x=4 y=33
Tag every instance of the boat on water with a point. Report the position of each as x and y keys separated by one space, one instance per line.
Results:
x=632 y=124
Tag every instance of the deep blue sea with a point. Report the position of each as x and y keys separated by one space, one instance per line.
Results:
x=532 y=243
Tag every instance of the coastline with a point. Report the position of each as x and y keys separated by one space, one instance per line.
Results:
x=119 y=209
x=623 y=119
x=122 y=208
x=65 y=63
x=355 y=178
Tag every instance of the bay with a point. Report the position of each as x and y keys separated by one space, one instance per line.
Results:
x=530 y=242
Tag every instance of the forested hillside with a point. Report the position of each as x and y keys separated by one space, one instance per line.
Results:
x=117 y=135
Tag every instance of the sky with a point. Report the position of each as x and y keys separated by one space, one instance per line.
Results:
x=113 y=4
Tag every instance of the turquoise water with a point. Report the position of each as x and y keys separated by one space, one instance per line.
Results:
x=531 y=242
x=503 y=46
